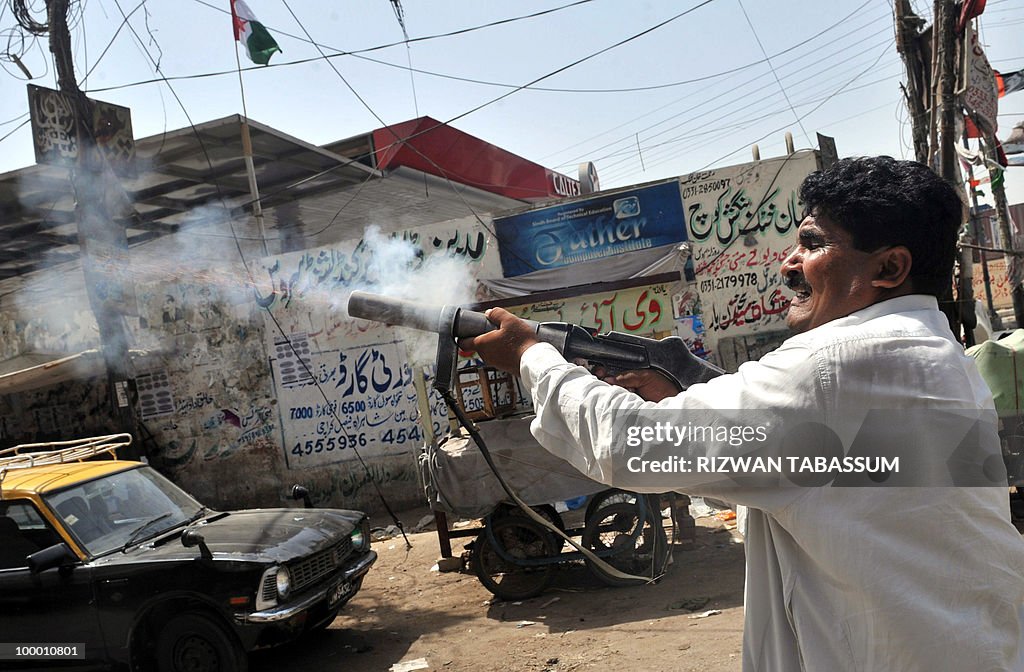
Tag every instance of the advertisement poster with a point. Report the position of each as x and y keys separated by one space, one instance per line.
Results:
x=589 y=229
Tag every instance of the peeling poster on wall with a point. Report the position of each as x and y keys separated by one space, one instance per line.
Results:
x=155 y=398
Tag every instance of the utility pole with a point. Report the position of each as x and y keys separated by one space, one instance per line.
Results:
x=101 y=208
x=909 y=43
x=960 y=311
x=932 y=100
x=930 y=93
x=945 y=31
x=1013 y=262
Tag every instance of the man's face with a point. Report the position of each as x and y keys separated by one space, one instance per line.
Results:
x=830 y=277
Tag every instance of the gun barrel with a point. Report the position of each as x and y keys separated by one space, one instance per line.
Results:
x=396 y=311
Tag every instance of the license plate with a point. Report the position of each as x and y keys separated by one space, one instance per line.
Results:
x=338 y=593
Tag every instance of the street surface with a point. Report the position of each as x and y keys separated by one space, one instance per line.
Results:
x=405 y=613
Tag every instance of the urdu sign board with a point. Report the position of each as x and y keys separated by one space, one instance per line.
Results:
x=56 y=137
x=594 y=228
x=981 y=93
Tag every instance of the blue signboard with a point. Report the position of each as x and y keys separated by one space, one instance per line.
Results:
x=595 y=228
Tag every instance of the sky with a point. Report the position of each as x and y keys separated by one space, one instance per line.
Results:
x=644 y=89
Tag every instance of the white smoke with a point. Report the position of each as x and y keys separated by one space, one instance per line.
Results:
x=404 y=271
x=401 y=269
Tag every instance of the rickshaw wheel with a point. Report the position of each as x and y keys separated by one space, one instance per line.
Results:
x=613 y=534
x=606 y=497
x=520 y=539
x=546 y=511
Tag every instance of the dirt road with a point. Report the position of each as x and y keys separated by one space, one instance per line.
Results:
x=406 y=612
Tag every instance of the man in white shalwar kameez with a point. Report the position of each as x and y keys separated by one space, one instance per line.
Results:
x=865 y=579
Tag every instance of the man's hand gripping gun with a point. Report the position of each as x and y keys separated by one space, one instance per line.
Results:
x=614 y=351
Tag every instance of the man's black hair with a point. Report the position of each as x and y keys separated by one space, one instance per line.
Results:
x=883 y=202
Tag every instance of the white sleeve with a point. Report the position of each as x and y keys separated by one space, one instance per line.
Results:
x=575 y=414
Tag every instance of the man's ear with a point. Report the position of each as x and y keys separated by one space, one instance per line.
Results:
x=894 y=267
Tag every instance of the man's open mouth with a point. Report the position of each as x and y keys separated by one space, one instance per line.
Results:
x=798 y=286
x=801 y=293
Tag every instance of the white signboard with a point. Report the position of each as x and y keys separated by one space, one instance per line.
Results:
x=741 y=223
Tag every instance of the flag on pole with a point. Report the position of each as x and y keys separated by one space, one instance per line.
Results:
x=259 y=43
x=1009 y=83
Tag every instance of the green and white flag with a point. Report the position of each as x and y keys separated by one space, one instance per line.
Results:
x=259 y=43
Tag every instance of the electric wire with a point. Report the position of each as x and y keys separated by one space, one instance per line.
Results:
x=779 y=52
x=714 y=134
x=740 y=94
x=110 y=43
x=17 y=118
x=714 y=140
x=626 y=152
x=805 y=115
x=693 y=120
x=358 y=54
x=772 y=68
x=795 y=59
x=707 y=98
x=408 y=40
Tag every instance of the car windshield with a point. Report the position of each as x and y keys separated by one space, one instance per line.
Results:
x=130 y=506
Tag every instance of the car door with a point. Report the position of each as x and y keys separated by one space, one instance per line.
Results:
x=53 y=607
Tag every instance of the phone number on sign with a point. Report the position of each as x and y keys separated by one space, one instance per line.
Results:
x=343 y=441
x=726 y=281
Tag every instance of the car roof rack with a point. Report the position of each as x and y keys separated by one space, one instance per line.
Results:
x=58 y=452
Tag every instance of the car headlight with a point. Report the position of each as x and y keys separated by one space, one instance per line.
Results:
x=284 y=582
x=358 y=538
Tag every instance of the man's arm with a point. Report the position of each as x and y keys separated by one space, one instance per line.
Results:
x=504 y=349
x=580 y=417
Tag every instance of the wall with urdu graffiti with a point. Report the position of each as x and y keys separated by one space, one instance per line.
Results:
x=278 y=385
x=741 y=222
x=249 y=390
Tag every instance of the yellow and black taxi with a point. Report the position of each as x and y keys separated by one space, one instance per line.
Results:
x=105 y=561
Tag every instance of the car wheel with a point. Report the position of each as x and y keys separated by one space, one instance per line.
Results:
x=194 y=642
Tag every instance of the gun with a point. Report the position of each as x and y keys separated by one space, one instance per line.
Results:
x=614 y=351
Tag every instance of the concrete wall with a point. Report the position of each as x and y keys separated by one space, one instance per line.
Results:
x=279 y=386
x=231 y=414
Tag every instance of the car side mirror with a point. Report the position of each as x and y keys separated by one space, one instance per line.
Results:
x=191 y=537
x=58 y=555
x=301 y=492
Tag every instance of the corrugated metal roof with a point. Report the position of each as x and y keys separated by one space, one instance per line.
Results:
x=177 y=172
